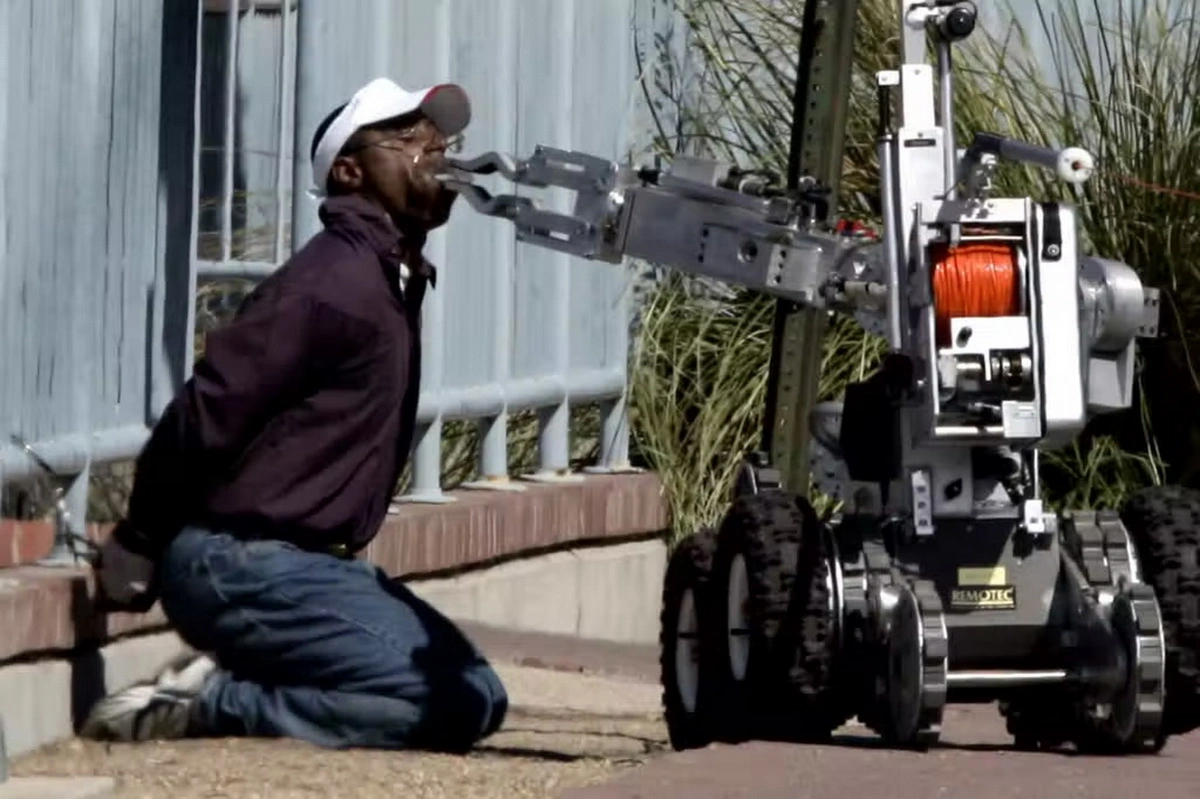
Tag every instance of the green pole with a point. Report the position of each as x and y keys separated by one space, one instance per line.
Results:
x=823 y=80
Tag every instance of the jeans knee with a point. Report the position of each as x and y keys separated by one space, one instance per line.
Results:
x=466 y=711
x=484 y=711
x=186 y=593
x=497 y=700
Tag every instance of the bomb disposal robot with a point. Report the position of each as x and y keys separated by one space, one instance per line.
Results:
x=943 y=578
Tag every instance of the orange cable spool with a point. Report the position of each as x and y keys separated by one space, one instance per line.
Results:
x=979 y=279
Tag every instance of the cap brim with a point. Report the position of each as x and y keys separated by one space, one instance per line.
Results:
x=447 y=107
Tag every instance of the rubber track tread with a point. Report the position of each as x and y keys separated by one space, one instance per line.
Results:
x=810 y=686
x=1164 y=522
x=933 y=660
x=1098 y=736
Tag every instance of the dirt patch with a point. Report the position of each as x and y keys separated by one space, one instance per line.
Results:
x=564 y=730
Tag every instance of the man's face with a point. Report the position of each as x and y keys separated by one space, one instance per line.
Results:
x=395 y=163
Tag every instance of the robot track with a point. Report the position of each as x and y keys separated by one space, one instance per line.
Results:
x=1164 y=523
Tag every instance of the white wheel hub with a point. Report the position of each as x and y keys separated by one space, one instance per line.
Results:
x=738 y=629
x=687 y=652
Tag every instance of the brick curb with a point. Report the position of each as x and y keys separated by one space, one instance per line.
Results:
x=48 y=609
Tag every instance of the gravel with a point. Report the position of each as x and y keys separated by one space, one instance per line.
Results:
x=563 y=730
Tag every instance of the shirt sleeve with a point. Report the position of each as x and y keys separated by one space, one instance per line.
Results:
x=252 y=369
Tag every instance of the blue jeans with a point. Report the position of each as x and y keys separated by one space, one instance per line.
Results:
x=325 y=650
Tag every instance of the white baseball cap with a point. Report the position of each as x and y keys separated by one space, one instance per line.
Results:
x=446 y=105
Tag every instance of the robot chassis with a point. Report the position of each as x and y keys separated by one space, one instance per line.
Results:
x=943 y=578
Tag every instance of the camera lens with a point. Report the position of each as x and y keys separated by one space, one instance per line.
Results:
x=959 y=22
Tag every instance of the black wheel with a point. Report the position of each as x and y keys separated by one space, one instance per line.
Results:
x=773 y=674
x=1164 y=523
x=686 y=658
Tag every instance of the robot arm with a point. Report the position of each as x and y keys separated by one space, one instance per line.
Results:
x=713 y=220
x=699 y=216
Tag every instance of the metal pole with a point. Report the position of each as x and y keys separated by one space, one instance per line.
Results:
x=895 y=272
x=554 y=433
x=946 y=110
x=70 y=503
x=305 y=222
x=493 y=430
x=614 y=439
x=285 y=62
x=426 y=456
x=819 y=108
x=71 y=547
x=227 y=174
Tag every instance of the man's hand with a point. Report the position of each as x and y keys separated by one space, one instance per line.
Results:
x=125 y=579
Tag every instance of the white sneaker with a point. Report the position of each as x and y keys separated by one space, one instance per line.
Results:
x=139 y=713
x=153 y=709
x=187 y=672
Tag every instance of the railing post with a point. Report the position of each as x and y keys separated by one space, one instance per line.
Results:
x=306 y=117
x=554 y=445
x=493 y=431
x=493 y=456
x=614 y=439
x=287 y=59
x=427 y=466
x=427 y=455
x=554 y=422
x=70 y=503
x=71 y=540
x=614 y=413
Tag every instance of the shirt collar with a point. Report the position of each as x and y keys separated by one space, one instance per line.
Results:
x=362 y=218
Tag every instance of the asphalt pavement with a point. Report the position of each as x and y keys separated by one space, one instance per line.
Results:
x=975 y=758
x=975 y=761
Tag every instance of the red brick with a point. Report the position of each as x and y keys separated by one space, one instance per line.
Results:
x=48 y=608
x=9 y=532
x=26 y=542
x=34 y=542
x=481 y=526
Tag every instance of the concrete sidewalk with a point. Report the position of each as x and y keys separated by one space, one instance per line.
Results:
x=586 y=724
x=57 y=788
x=582 y=713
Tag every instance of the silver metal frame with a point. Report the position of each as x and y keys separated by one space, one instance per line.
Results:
x=1064 y=354
x=710 y=219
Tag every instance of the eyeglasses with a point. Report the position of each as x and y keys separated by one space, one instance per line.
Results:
x=408 y=138
x=453 y=144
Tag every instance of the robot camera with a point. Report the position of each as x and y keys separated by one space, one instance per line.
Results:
x=958 y=21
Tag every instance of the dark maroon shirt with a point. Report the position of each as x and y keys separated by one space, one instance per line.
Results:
x=297 y=421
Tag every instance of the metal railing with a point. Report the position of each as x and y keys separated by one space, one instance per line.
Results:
x=184 y=121
x=309 y=40
x=93 y=292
